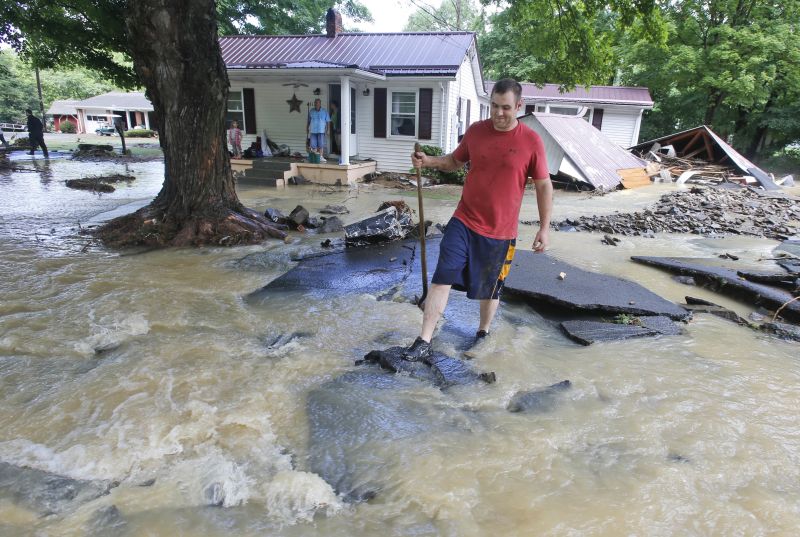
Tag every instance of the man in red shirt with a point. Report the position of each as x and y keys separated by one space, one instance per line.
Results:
x=478 y=245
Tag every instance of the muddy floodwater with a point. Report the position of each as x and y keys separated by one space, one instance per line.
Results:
x=151 y=375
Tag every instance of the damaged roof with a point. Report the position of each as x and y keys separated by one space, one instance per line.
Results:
x=579 y=150
x=622 y=95
x=407 y=53
x=702 y=142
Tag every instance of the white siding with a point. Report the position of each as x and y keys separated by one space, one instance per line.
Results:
x=272 y=113
x=463 y=87
x=620 y=126
x=393 y=153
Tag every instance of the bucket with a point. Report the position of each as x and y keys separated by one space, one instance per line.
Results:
x=313 y=158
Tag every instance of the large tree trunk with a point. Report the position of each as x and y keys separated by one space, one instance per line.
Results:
x=177 y=57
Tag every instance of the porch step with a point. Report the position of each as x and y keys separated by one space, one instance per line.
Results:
x=266 y=169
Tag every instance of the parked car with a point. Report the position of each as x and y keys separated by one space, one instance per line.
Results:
x=106 y=130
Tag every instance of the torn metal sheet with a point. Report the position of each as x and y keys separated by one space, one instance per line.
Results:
x=577 y=149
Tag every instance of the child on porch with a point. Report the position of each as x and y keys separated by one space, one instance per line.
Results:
x=235 y=139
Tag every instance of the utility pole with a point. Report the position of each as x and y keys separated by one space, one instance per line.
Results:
x=41 y=102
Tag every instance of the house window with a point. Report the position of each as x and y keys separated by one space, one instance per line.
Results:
x=541 y=108
x=403 y=113
x=235 y=110
x=96 y=118
x=564 y=110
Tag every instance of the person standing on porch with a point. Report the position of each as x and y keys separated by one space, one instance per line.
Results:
x=336 y=127
x=235 y=139
x=317 y=127
x=478 y=244
x=35 y=133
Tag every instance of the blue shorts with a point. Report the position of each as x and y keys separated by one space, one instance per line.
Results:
x=473 y=263
x=317 y=140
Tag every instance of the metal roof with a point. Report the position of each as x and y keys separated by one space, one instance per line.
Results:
x=63 y=108
x=115 y=100
x=407 y=53
x=589 y=150
x=623 y=95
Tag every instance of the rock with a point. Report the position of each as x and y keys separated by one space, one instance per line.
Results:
x=89 y=184
x=387 y=225
x=334 y=209
x=214 y=495
x=45 y=492
x=685 y=280
x=782 y=330
x=331 y=224
x=313 y=222
x=539 y=400
x=534 y=277
x=588 y=332
x=298 y=216
x=729 y=282
x=275 y=215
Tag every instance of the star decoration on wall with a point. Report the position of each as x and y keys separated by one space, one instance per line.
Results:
x=294 y=104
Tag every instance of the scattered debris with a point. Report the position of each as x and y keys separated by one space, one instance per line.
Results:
x=334 y=209
x=611 y=241
x=392 y=222
x=720 y=160
x=703 y=211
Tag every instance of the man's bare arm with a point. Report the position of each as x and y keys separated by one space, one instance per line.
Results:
x=446 y=163
x=544 y=201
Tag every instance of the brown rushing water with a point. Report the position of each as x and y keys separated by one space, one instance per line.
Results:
x=687 y=435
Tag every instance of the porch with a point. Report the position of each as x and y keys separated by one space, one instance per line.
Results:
x=276 y=171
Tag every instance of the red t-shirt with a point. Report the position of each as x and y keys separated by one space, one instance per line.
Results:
x=500 y=165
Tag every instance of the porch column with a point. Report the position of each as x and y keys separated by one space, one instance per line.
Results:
x=146 y=119
x=128 y=119
x=344 y=112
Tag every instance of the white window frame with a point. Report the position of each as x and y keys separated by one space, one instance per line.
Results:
x=389 y=93
x=242 y=125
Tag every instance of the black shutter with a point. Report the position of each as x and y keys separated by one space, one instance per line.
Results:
x=597 y=118
x=469 y=111
x=379 y=113
x=249 y=96
x=425 y=113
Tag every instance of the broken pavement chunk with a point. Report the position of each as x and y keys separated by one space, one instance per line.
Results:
x=534 y=278
x=387 y=225
x=727 y=281
x=539 y=400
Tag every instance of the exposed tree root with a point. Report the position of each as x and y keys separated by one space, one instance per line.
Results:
x=224 y=227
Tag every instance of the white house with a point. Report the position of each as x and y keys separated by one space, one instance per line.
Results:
x=393 y=89
x=616 y=111
x=133 y=107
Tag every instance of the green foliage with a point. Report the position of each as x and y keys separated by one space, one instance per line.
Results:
x=67 y=127
x=456 y=177
x=275 y=17
x=625 y=318
x=569 y=42
x=140 y=133
x=451 y=15
x=18 y=86
x=732 y=65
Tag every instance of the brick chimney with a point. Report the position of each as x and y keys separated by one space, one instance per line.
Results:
x=333 y=23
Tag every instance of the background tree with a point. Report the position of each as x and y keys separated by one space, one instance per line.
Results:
x=276 y=17
x=18 y=86
x=176 y=56
x=734 y=66
x=451 y=15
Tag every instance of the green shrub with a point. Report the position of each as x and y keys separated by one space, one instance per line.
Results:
x=67 y=127
x=456 y=177
x=140 y=133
